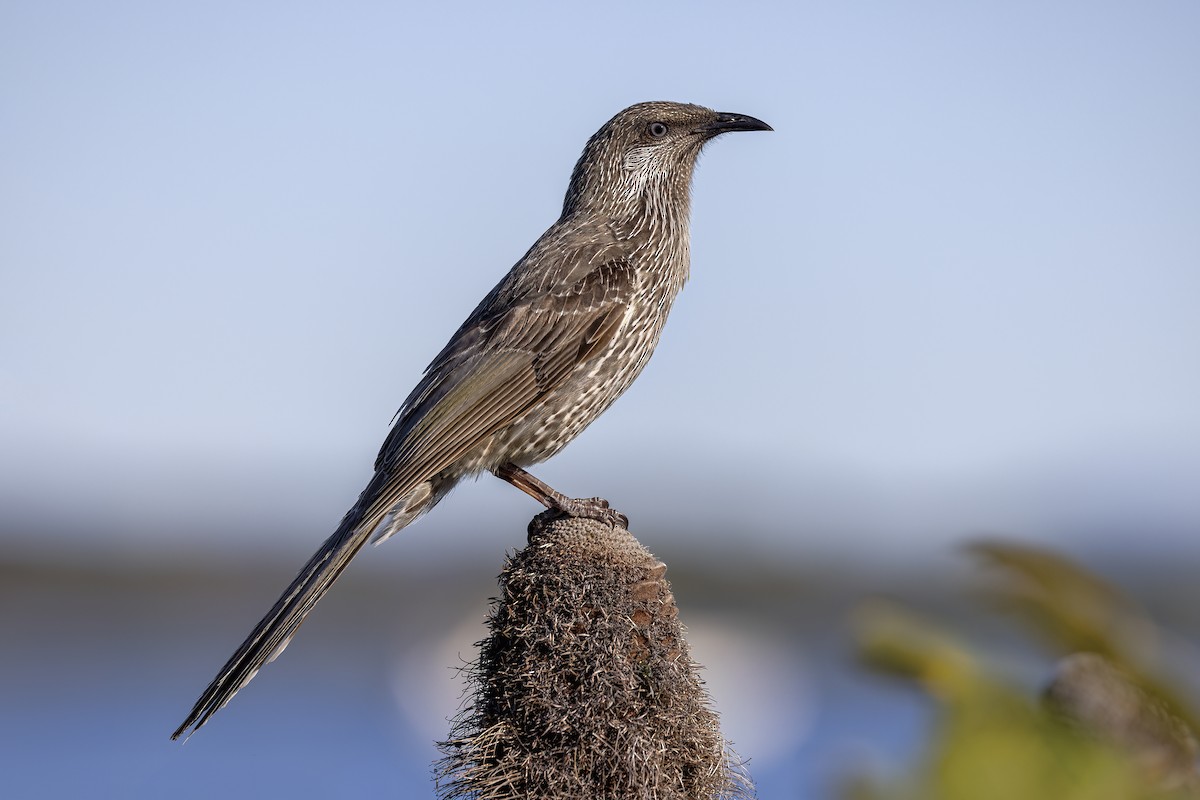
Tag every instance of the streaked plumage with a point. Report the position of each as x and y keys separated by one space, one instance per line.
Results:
x=545 y=353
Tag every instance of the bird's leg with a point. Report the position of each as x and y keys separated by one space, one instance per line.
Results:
x=589 y=508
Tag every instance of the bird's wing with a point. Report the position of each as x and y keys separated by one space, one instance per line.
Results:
x=496 y=369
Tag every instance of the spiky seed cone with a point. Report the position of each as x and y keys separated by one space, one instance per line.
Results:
x=584 y=686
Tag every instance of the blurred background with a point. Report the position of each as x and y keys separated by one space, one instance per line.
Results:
x=954 y=292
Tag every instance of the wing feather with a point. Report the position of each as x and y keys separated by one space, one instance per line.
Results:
x=510 y=361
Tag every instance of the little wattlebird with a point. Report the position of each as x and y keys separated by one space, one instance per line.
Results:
x=565 y=332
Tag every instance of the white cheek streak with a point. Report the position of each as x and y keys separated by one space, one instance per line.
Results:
x=640 y=168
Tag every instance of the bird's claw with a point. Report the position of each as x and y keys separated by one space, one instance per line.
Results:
x=596 y=508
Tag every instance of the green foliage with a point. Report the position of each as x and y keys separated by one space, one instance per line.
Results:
x=1113 y=730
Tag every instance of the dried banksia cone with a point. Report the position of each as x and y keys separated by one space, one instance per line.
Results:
x=584 y=686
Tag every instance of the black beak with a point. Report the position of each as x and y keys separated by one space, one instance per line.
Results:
x=725 y=122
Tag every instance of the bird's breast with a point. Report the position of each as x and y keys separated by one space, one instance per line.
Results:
x=592 y=387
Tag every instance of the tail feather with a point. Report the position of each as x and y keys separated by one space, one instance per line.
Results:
x=276 y=629
x=423 y=497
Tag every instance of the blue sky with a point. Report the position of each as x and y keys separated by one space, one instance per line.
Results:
x=956 y=289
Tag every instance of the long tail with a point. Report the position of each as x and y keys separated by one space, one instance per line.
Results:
x=276 y=629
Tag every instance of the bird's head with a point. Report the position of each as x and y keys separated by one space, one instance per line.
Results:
x=646 y=154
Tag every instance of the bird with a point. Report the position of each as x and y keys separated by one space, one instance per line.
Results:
x=546 y=351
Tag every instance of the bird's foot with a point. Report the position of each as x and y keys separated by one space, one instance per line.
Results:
x=588 y=508
x=596 y=508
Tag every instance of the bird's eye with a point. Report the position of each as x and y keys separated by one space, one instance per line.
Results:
x=656 y=130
